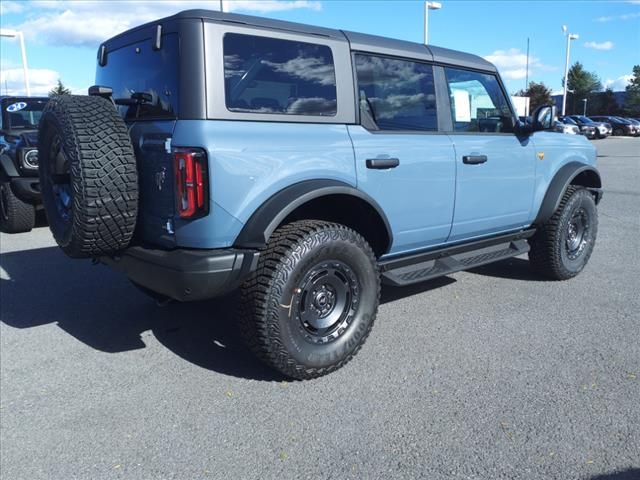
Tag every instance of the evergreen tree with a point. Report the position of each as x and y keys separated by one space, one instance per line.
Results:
x=59 y=89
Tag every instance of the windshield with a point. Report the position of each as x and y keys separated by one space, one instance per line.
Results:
x=22 y=113
x=584 y=119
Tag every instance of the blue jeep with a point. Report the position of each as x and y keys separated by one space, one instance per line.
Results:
x=19 y=183
x=305 y=166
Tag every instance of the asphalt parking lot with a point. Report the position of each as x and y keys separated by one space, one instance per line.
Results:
x=488 y=374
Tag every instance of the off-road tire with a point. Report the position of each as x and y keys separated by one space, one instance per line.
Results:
x=270 y=312
x=16 y=216
x=88 y=176
x=549 y=254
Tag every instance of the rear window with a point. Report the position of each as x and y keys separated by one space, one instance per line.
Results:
x=268 y=75
x=137 y=68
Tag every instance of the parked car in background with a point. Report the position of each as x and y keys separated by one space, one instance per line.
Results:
x=562 y=127
x=619 y=125
x=19 y=182
x=603 y=129
x=636 y=123
x=588 y=131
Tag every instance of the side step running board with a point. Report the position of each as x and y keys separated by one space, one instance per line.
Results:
x=421 y=267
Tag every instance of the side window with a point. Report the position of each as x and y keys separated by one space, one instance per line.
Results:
x=478 y=103
x=268 y=75
x=399 y=94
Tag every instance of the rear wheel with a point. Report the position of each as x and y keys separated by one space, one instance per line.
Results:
x=88 y=176
x=618 y=132
x=562 y=247
x=312 y=301
x=16 y=216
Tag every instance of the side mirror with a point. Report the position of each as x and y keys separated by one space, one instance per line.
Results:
x=544 y=117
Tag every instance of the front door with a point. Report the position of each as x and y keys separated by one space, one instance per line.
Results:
x=401 y=160
x=495 y=168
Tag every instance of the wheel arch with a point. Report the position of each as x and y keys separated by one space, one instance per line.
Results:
x=319 y=200
x=573 y=173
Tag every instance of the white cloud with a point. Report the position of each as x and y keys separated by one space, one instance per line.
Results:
x=68 y=22
x=512 y=63
x=9 y=6
x=608 y=45
x=618 y=84
x=625 y=16
x=41 y=80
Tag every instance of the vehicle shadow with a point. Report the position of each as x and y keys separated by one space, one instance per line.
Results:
x=100 y=308
x=512 y=269
x=630 y=474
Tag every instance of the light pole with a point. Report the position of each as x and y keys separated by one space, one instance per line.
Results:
x=584 y=107
x=570 y=36
x=16 y=34
x=429 y=6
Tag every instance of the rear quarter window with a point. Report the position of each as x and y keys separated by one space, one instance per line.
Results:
x=273 y=76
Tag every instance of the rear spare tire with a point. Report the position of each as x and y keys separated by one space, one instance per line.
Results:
x=88 y=176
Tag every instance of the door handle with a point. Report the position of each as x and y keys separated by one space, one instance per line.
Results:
x=474 y=159
x=382 y=163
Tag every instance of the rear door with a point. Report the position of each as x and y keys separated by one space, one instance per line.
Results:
x=139 y=68
x=401 y=159
x=495 y=168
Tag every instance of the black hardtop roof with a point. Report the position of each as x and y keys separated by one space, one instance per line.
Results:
x=358 y=41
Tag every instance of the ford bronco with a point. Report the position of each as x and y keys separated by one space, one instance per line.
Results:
x=303 y=167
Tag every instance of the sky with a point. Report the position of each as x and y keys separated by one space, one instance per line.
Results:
x=62 y=36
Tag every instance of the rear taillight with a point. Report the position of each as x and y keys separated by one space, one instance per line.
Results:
x=191 y=183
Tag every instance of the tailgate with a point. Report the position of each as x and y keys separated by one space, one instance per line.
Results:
x=152 y=146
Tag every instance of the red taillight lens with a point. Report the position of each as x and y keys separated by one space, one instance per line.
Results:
x=191 y=179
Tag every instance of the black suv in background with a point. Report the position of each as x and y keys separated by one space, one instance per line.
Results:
x=602 y=129
x=19 y=182
x=620 y=126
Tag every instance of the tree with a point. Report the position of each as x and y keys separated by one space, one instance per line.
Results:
x=59 y=89
x=583 y=84
x=632 y=102
x=538 y=93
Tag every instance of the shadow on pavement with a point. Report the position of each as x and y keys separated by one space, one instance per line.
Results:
x=102 y=309
x=511 y=269
x=630 y=474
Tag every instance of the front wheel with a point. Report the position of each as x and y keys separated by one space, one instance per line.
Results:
x=311 y=303
x=562 y=247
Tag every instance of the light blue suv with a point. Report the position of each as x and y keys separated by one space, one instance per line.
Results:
x=305 y=166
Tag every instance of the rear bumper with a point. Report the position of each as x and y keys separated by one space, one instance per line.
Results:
x=186 y=275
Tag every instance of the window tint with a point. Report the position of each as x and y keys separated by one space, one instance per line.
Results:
x=267 y=75
x=399 y=94
x=478 y=103
x=138 y=68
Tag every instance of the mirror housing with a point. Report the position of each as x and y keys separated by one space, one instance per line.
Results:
x=544 y=117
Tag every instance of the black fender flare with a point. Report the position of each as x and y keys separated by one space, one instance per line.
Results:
x=267 y=217
x=7 y=167
x=558 y=185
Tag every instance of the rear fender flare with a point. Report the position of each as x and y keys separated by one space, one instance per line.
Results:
x=264 y=221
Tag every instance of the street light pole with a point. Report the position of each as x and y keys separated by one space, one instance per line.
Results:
x=570 y=36
x=584 y=109
x=429 y=6
x=16 y=34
